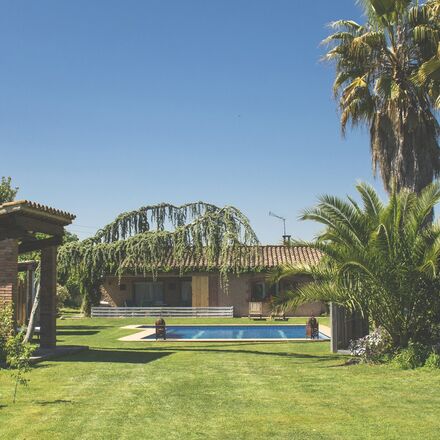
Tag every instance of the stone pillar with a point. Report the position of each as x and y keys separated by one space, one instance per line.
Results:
x=48 y=289
x=8 y=270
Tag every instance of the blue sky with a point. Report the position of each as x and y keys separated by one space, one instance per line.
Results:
x=106 y=106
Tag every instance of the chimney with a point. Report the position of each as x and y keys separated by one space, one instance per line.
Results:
x=286 y=239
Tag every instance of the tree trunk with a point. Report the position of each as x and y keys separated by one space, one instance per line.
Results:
x=31 y=324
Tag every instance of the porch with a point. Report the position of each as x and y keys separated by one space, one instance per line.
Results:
x=164 y=291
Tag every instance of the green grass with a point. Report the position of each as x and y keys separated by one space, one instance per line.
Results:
x=138 y=390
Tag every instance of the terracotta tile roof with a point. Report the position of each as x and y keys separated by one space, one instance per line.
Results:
x=260 y=257
x=20 y=204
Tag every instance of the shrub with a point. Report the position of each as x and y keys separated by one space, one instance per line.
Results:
x=413 y=356
x=373 y=347
x=6 y=327
x=433 y=360
x=18 y=358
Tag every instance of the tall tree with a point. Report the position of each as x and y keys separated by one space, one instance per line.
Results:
x=384 y=82
x=7 y=192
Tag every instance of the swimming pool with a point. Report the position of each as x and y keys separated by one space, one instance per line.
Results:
x=234 y=332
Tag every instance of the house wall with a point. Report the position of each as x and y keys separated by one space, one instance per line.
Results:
x=120 y=291
x=8 y=270
x=238 y=294
x=207 y=291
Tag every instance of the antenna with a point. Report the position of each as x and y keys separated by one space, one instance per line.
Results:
x=281 y=218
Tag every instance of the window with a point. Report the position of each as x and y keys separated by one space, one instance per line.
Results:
x=261 y=290
x=186 y=293
x=288 y=285
x=258 y=292
x=149 y=293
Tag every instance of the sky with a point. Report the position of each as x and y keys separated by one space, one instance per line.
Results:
x=106 y=106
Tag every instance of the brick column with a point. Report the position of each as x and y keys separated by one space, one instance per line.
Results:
x=8 y=270
x=48 y=288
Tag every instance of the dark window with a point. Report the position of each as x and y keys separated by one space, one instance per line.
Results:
x=260 y=290
x=148 y=294
x=122 y=286
x=288 y=285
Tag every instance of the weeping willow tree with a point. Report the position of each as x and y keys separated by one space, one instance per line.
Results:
x=159 y=237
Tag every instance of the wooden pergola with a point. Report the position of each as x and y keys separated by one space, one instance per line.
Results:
x=27 y=226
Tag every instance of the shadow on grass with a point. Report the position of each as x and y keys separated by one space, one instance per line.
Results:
x=40 y=366
x=111 y=355
x=51 y=402
x=82 y=327
x=220 y=350
x=76 y=332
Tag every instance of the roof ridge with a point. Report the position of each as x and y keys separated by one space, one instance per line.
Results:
x=39 y=206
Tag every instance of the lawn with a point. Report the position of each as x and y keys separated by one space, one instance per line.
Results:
x=138 y=390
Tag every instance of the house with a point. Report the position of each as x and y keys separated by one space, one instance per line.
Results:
x=200 y=286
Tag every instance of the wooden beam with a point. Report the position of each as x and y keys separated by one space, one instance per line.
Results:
x=13 y=232
x=37 y=225
x=48 y=296
x=36 y=245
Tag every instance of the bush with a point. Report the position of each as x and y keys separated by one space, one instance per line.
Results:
x=6 y=327
x=19 y=359
x=433 y=361
x=373 y=347
x=412 y=357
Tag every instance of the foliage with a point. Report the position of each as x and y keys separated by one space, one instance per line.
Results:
x=7 y=192
x=70 y=280
x=143 y=241
x=373 y=347
x=381 y=260
x=388 y=78
x=18 y=358
x=63 y=296
x=433 y=361
x=6 y=327
x=414 y=356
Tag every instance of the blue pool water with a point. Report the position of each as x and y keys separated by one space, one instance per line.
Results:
x=236 y=332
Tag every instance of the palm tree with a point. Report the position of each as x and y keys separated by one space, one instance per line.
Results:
x=388 y=78
x=381 y=260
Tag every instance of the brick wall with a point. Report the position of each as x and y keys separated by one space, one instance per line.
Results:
x=238 y=294
x=8 y=270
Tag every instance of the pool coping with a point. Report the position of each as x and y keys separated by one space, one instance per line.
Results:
x=142 y=335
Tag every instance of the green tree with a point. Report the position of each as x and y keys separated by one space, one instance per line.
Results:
x=387 y=78
x=378 y=259
x=153 y=237
x=7 y=192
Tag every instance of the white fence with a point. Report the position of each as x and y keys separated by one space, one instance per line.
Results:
x=176 y=312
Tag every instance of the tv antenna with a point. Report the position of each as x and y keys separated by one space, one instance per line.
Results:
x=272 y=214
